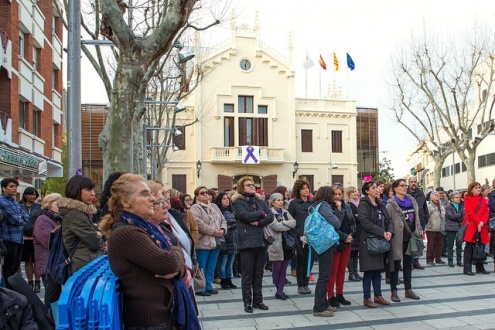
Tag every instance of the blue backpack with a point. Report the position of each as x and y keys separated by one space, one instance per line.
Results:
x=320 y=234
x=59 y=260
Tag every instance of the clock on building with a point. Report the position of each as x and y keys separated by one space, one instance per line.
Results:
x=245 y=64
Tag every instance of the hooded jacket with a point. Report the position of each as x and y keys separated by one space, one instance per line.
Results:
x=78 y=225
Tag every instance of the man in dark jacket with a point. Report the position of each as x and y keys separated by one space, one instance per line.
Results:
x=15 y=312
x=424 y=215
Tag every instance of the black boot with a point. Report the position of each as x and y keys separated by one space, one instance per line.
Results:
x=342 y=300
x=334 y=302
x=224 y=284
x=353 y=278
x=31 y=284
x=230 y=284
x=355 y=267
x=357 y=275
x=37 y=286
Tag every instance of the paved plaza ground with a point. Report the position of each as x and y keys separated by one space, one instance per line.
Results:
x=449 y=300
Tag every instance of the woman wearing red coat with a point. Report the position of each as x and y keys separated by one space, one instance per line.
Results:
x=476 y=217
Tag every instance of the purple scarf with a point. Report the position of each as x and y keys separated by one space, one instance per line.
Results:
x=405 y=204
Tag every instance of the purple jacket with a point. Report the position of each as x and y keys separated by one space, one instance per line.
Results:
x=43 y=226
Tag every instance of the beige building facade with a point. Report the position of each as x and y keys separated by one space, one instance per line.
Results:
x=248 y=99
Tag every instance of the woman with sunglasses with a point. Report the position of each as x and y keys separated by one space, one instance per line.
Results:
x=252 y=216
x=212 y=227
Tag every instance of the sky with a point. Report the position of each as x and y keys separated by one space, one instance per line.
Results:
x=370 y=31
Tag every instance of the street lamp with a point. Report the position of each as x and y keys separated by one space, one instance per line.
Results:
x=198 y=168
x=296 y=168
x=184 y=54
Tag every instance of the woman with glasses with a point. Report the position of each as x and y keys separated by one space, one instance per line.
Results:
x=151 y=269
x=476 y=218
x=404 y=211
x=227 y=256
x=434 y=234
x=187 y=201
x=212 y=228
x=252 y=216
x=375 y=221
x=454 y=214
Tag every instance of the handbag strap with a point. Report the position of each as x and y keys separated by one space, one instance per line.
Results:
x=73 y=249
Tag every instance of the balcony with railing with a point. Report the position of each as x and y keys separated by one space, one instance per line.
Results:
x=234 y=154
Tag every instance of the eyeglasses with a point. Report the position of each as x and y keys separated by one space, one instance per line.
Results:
x=249 y=185
x=162 y=202
x=187 y=200
x=203 y=193
x=146 y=194
x=457 y=197
x=403 y=185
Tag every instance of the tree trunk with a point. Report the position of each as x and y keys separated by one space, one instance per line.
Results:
x=437 y=171
x=121 y=132
x=470 y=173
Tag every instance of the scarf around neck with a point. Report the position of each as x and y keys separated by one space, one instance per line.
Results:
x=183 y=310
x=404 y=204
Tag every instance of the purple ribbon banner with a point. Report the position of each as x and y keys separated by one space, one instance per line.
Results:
x=250 y=155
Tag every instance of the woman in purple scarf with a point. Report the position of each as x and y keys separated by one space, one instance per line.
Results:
x=403 y=210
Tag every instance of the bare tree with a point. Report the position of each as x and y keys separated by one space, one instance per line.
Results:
x=142 y=46
x=443 y=93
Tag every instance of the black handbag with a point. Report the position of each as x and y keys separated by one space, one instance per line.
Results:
x=416 y=244
x=459 y=237
x=479 y=254
x=288 y=242
x=376 y=244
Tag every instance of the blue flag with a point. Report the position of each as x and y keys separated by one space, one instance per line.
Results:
x=350 y=62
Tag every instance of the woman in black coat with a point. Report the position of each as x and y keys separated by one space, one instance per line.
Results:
x=229 y=250
x=252 y=214
x=352 y=198
x=374 y=220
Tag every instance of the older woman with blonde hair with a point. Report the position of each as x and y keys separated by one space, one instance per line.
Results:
x=150 y=268
x=46 y=222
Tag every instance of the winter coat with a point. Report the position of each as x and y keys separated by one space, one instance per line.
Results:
x=491 y=201
x=279 y=225
x=207 y=225
x=77 y=225
x=476 y=210
x=15 y=312
x=251 y=236
x=347 y=225
x=231 y=237
x=370 y=224
x=420 y=198
x=189 y=226
x=41 y=238
x=436 y=216
x=357 y=230
x=298 y=208
x=397 y=216
x=453 y=218
x=34 y=212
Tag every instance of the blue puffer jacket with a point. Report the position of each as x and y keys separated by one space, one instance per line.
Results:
x=247 y=210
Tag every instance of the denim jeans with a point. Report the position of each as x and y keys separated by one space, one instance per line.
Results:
x=207 y=260
x=325 y=261
x=369 y=277
x=225 y=262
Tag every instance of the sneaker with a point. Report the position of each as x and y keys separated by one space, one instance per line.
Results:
x=307 y=289
x=301 y=290
x=325 y=313
x=331 y=309
x=311 y=278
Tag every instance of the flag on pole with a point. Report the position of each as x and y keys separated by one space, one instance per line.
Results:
x=308 y=63
x=335 y=62
x=322 y=63
x=350 y=62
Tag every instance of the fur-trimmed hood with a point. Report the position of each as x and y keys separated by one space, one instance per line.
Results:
x=74 y=204
x=241 y=196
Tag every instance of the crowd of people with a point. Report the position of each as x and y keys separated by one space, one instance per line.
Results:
x=169 y=247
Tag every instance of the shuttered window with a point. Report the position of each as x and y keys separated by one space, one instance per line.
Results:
x=336 y=141
x=228 y=132
x=253 y=131
x=307 y=140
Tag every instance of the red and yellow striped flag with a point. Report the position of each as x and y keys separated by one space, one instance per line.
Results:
x=335 y=62
x=322 y=63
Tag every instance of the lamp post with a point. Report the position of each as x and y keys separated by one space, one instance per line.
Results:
x=198 y=168
x=296 y=168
